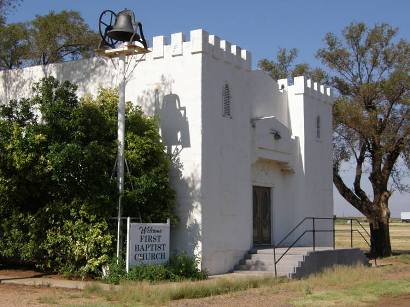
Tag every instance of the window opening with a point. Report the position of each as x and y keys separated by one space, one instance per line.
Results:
x=226 y=101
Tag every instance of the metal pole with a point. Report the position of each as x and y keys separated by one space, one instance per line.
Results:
x=274 y=260
x=314 y=235
x=127 y=257
x=351 y=233
x=120 y=149
x=334 y=232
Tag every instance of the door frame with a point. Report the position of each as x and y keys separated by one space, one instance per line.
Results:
x=272 y=210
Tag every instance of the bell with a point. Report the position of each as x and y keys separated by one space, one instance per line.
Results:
x=123 y=29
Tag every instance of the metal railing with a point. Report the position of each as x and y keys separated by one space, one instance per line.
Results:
x=363 y=233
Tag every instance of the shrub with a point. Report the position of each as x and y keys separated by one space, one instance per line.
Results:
x=56 y=189
x=151 y=272
x=186 y=267
x=180 y=267
x=78 y=246
x=116 y=271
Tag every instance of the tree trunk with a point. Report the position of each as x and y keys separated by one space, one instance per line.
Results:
x=379 y=227
x=380 y=239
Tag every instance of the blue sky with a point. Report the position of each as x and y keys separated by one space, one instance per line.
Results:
x=260 y=26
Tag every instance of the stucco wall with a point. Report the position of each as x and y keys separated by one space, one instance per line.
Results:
x=226 y=155
x=313 y=182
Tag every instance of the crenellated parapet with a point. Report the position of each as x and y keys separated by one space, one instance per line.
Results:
x=302 y=85
x=199 y=42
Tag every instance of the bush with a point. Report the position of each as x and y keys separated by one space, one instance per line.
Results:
x=151 y=272
x=186 y=267
x=56 y=188
x=116 y=271
x=180 y=267
x=78 y=246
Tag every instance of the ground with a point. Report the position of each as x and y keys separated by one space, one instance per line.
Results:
x=388 y=284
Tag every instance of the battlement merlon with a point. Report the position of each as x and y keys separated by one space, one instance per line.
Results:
x=302 y=85
x=200 y=42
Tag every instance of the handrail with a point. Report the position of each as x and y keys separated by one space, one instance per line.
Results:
x=283 y=254
x=362 y=227
x=314 y=231
x=290 y=232
x=360 y=233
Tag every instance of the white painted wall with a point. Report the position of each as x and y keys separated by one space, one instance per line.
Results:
x=226 y=155
x=222 y=158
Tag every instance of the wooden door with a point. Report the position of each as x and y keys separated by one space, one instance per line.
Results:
x=261 y=216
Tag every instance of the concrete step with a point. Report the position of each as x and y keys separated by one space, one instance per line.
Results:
x=262 y=267
x=280 y=251
x=299 y=261
x=263 y=273
x=292 y=251
x=283 y=262
x=269 y=257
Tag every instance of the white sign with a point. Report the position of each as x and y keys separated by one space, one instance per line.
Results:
x=147 y=243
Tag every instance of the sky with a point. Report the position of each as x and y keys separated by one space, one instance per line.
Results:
x=260 y=26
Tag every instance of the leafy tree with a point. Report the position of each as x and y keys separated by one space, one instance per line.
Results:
x=14 y=42
x=52 y=38
x=283 y=67
x=56 y=37
x=56 y=159
x=371 y=118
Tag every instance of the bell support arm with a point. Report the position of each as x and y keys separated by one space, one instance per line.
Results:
x=143 y=41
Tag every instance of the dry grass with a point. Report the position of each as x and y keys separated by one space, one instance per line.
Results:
x=357 y=286
x=147 y=294
x=340 y=286
x=399 y=236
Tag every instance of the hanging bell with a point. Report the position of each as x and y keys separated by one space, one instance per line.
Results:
x=123 y=29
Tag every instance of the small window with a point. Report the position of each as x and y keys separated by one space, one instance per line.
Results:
x=226 y=101
x=318 y=127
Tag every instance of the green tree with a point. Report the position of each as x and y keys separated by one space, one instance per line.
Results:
x=56 y=37
x=284 y=67
x=15 y=48
x=370 y=69
x=52 y=38
x=281 y=67
x=57 y=153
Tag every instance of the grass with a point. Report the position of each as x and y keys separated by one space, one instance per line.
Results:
x=355 y=286
x=399 y=235
x=358 y=285
x=337 y=286
x=148 y=294
x=48 y=300
x=362 y=294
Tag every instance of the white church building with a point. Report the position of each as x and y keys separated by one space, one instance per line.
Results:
x=256 y=153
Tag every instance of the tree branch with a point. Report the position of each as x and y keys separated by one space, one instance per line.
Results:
x=359 y=165
x=347 y=193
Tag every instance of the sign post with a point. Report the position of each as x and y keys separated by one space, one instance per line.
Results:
x=147 y=243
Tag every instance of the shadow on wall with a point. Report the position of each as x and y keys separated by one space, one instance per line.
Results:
x=187 y=234
x=95 y=72
x=13 y=83
x=173 y=120
x=174 y=125
x=160 y=101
